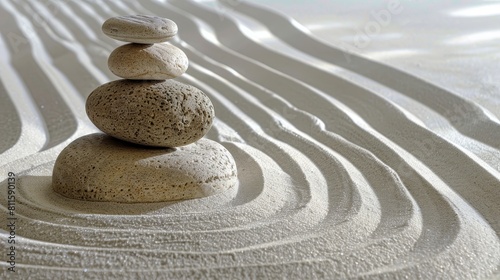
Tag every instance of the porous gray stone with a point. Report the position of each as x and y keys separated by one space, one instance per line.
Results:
x=154 y=113
x=143 y=29
x=98 y=167
x=148 y=62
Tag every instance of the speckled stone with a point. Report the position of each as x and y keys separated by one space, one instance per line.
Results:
x=148 y=62
x=98 y=167
x=154 y=113
x=141 y=29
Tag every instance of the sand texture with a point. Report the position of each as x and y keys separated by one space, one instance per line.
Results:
x=375 y=158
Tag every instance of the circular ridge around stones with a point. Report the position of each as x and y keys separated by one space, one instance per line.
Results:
x=142 y=29
x=148 y=62
x=98 y=167
x=153 y=113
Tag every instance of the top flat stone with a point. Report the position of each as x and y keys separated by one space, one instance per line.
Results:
x=140 y=29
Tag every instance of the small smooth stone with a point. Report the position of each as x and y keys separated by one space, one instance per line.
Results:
x=148 y=62
x=98 y=167
x=140 y=29
x=153 y=113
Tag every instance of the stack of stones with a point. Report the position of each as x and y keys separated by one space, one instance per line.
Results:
x=153 y=149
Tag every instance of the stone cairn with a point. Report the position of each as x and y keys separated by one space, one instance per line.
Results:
x=153 y=149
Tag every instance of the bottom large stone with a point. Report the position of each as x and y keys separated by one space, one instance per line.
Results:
x=98 y=167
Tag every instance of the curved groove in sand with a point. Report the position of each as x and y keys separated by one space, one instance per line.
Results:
x=328 y=185
x=434 y=97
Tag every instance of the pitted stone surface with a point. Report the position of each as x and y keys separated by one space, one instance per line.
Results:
x=154 y=113
x=148 y=62
x=98 y=167
x=143 y=29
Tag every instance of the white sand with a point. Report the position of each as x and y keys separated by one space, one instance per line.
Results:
x=363 y=170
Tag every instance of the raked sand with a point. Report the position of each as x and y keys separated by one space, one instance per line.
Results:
x=347 y=167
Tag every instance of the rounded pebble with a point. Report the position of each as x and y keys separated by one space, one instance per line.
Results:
x=153 y=113
x=140 y=29
x=148 y=62
x=98 y=167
